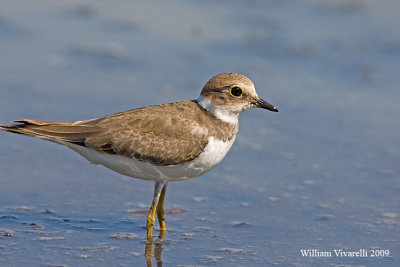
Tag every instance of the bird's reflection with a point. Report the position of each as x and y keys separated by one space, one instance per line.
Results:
x=149 y=253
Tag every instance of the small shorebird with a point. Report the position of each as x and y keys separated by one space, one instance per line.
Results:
x=162 y=143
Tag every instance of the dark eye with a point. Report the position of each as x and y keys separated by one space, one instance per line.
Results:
x=236 y=91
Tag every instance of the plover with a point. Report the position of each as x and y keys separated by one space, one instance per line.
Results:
x=162 y=143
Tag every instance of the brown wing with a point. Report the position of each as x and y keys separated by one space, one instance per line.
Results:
x=64 y=131
x=157 y=134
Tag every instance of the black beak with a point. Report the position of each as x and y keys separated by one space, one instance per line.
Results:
x=261 y=103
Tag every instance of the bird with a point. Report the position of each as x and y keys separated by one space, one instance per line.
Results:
x=160 y=143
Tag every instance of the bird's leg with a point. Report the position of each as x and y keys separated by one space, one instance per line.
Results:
x=150 y=217
x=160 y=212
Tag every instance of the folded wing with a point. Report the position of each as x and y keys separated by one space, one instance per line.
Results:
x=152 y=134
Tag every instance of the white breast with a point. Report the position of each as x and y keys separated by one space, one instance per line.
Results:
x=213 y=153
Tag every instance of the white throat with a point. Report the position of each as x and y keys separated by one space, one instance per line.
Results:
x=225 y=113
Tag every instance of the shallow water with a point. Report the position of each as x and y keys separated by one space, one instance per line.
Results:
x=321 y=174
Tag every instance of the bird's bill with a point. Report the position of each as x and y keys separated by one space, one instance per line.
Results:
x=261 y=103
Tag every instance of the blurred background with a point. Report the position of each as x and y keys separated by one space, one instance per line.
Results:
x=323 y=173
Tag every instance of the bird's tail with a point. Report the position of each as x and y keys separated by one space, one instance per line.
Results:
x=52 y=130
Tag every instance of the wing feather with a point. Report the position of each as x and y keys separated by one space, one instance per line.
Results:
x=155 y=134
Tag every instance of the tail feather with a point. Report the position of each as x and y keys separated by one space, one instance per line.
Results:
x=65 y=131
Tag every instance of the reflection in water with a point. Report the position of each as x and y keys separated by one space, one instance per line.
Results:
x=149 y=253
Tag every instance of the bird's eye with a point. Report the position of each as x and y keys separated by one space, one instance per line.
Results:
x=236 y=91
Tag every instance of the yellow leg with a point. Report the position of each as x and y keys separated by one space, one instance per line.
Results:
x=158 y=188
x=151 y=220
x=160 y=212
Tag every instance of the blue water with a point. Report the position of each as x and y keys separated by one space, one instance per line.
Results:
x=321 y=174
